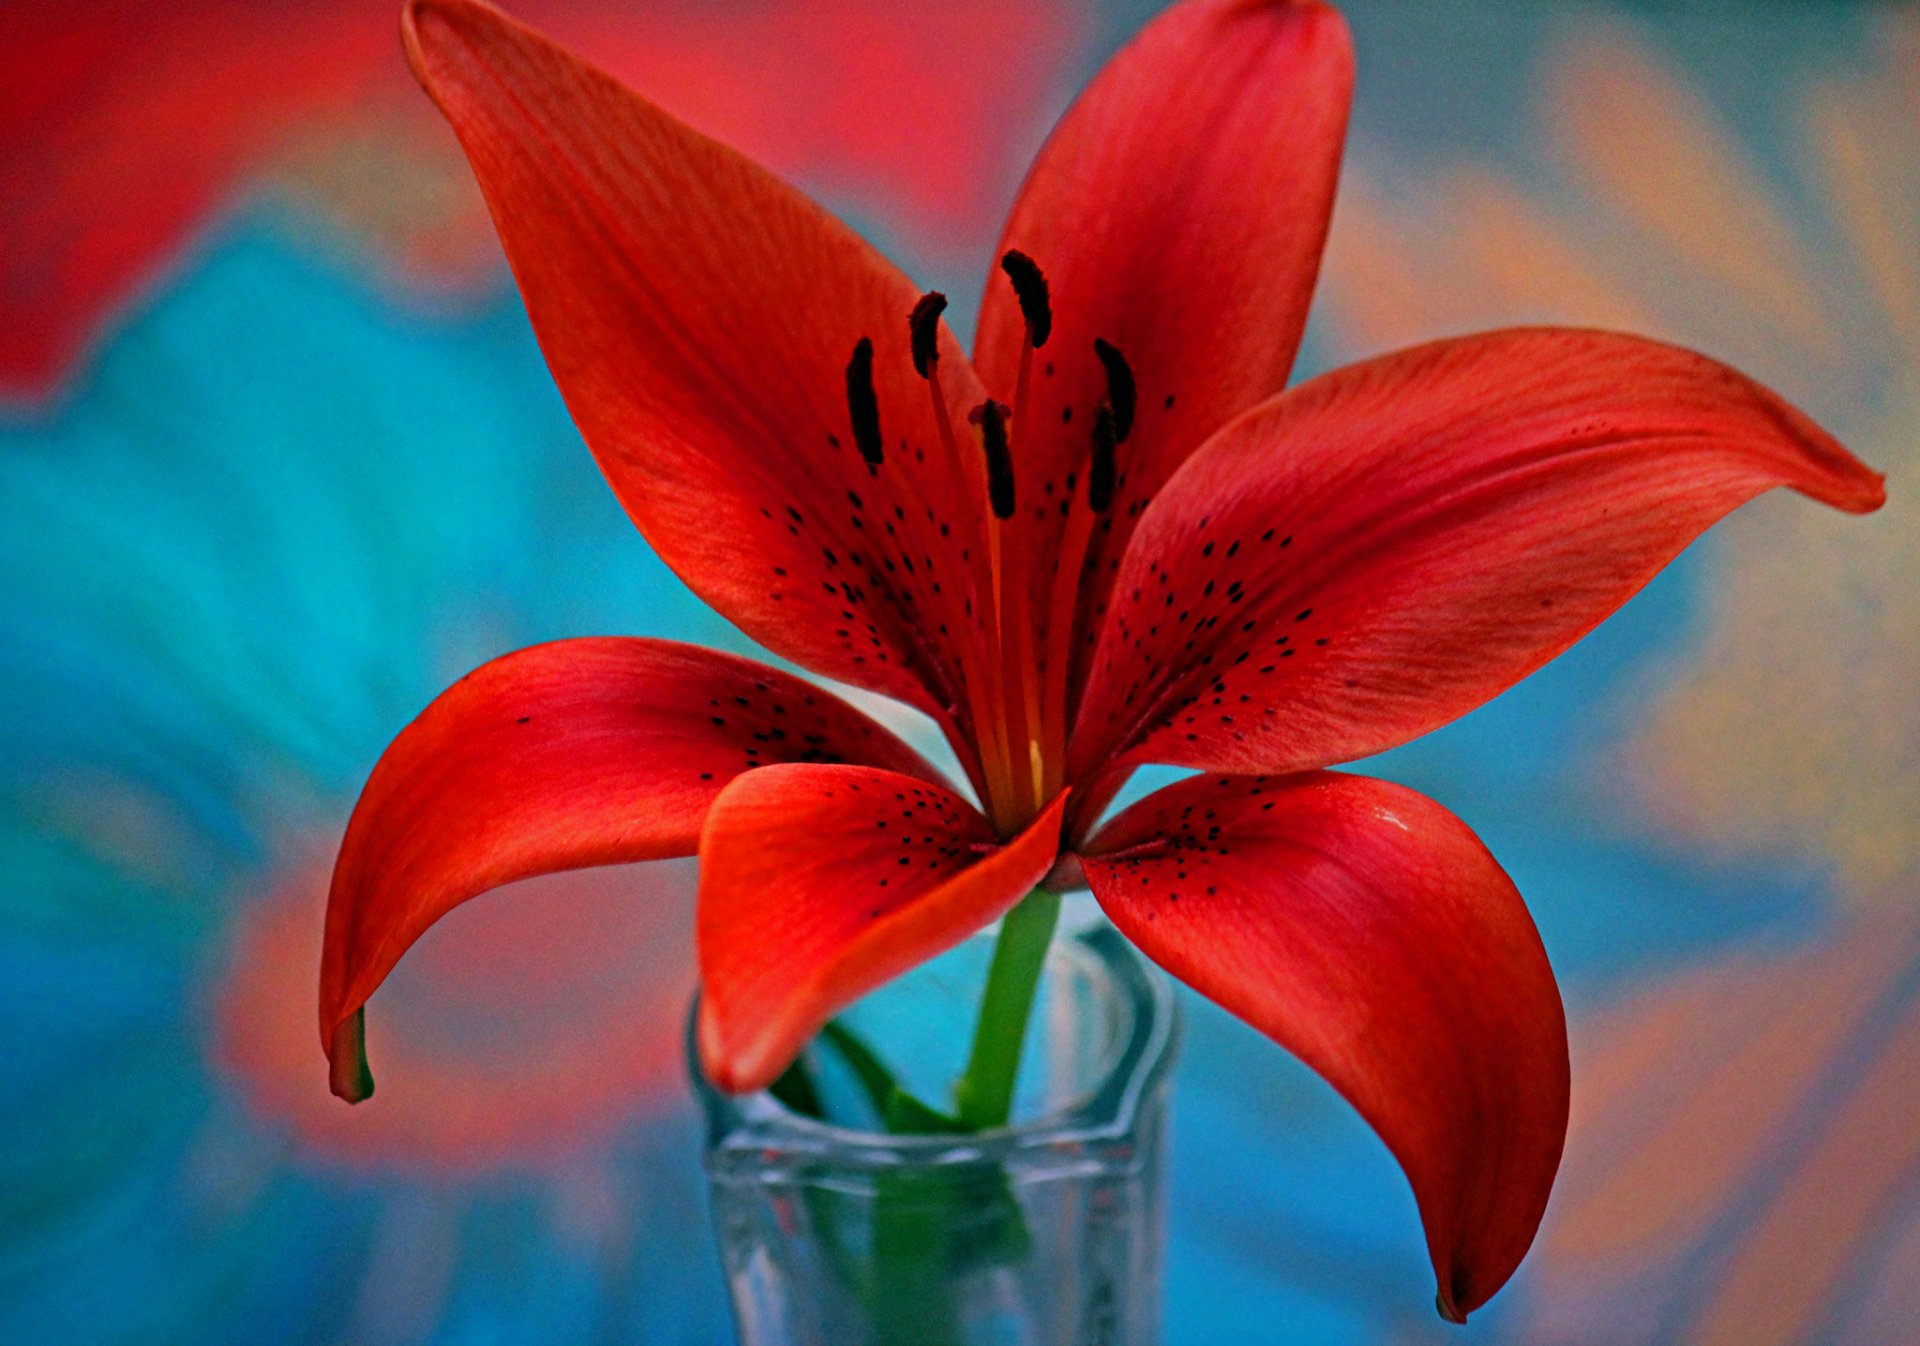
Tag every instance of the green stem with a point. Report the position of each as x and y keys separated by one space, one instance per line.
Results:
x=985 y=1092
x=876 y=1081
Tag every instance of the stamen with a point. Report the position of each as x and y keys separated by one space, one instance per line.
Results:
x=1015 y=555
x=991 y=417
x=1030 y=288
x=1100 y=472
x=924 y=327
x=863 y=408
x=1121 y=391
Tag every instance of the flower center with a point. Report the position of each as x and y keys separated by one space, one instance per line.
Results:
x=1016 y=675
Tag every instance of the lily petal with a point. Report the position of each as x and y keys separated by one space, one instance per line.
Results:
x=699 y=316
x=1383 y=548
x=1178 y=213
x=560 y=756
x=1366 y=929
x=819 y=883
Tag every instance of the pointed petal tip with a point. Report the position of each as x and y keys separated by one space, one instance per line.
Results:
x=1819 y=467
x=1373 y=936
x=1830 y=473
x=746 y=1035
x=1869 y=492
x=725 y=1070
x=735 y=1067
x=1326 y=22
x=1321 y=10
x=426 y=22
x=411 y=13
x=348 y=1074
x=1849 y=486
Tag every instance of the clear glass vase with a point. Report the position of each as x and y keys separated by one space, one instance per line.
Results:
x=1044 y=1233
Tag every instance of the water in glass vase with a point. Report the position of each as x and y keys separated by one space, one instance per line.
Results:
x=1047 y=1232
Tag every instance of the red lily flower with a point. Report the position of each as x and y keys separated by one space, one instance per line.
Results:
x=1111 y=539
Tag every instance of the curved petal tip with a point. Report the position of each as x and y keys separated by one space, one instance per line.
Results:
x=1868 y=495
x=415 y=13
x=1444 y=1303
x=729 y=1071
x=804 y=906
x=1823 y=469
x=348 y=1074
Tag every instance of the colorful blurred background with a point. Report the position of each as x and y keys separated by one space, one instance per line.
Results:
x=279 y=460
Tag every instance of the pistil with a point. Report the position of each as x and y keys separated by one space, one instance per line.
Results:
x=1020 y=700
x=1017 y=560
x=1063 y=600
x=1112 y=422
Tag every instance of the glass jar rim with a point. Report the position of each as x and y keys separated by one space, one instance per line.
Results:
x=747 y=1130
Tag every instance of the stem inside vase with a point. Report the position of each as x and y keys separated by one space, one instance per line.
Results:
x=984 y=1097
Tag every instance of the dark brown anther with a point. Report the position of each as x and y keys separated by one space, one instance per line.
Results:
x=863 y=408
x=1100 y=473
x=1030 y=288
x=924 y=327
x=991 y=417
x=1120 y=387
